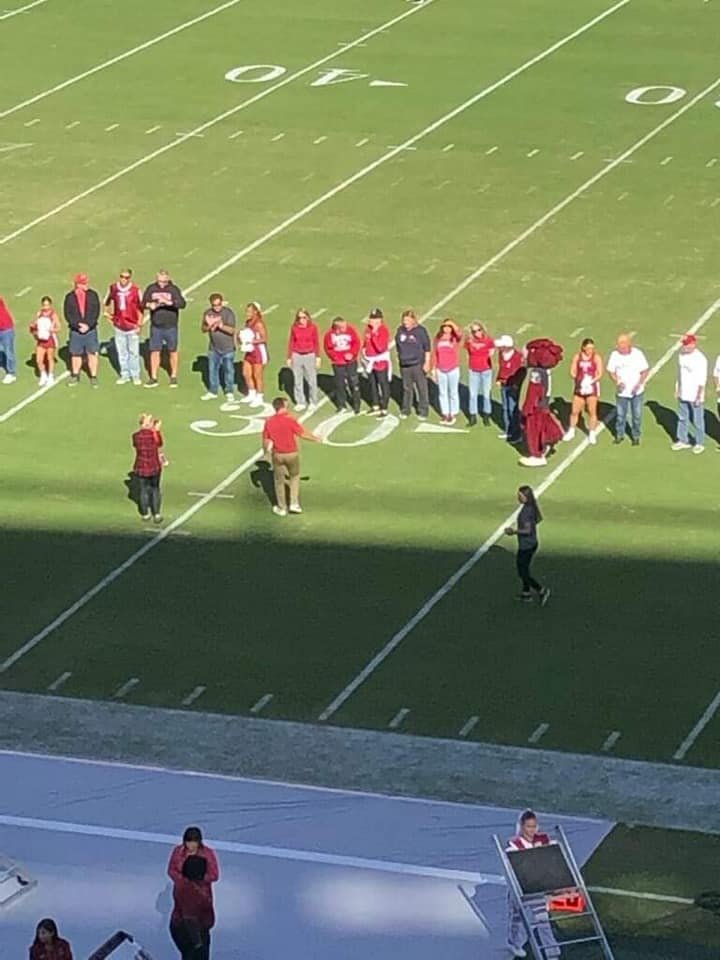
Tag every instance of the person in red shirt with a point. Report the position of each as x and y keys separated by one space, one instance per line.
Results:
x=280 y=444
x=48 y=944
x=480 y=349
x=446 y=369
x=256 y=354
x=193 y=916
x=376 y=360
x=342 y=345
x=7 y=343
x=149 y=461
x=192 y=845
x=45 y=328
x=303 y=358
x=125 y=299
x=510 y=376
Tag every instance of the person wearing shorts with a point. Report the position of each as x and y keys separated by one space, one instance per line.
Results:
x=586 y=370
x=253 y=341
x=81 y=310
x=164 y=300
x=45 y=328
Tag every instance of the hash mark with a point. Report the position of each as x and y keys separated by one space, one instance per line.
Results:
x=153 y=129
x=261 y=703
x=278 y=136
x=320 y=140
x=31 y=123
x=611 y=741
x=59 y=681
x=21 y=293
x=361 y=143
x=70 y=126
x=534 y=153
x=234 y=136
x=398 y=718
x=450 y=146
x=193 y=695
x=711 y=163
x=113 y=126
x=665 y=162
x=538 y=732
x=380 y=266
x=491 y=150
x=125 y=688
x=576 y=156
x=468 y=726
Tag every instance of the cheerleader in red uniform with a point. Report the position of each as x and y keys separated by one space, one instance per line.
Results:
x=586 y=370
x=45 y=328
x=527 y=837
x=253 y=340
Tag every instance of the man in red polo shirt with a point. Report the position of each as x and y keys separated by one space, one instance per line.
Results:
x=280 y=444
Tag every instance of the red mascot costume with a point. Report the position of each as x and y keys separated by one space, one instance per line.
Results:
x=542 y=429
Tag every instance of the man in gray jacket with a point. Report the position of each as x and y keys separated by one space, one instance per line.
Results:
x=219 y=322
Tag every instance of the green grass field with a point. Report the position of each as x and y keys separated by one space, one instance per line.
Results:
x=528 y=192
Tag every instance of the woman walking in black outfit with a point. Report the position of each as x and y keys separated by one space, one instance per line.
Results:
x=526 y=532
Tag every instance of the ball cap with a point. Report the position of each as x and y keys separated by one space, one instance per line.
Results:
x=689 y=340
x=81 y=278
x=504 y=341
x=376 y=314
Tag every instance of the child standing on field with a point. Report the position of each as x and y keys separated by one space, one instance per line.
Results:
x=45 y=328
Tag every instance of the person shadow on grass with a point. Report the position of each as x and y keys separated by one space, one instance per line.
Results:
x=262 y=479
x=664 y=417
x=132 y=485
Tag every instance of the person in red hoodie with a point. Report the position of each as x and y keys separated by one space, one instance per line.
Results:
x=7 y=343
x=192 y=845
x=376 y=360
x=193 y=916
x=303 y=358
x=48 y=944
x=342 y=345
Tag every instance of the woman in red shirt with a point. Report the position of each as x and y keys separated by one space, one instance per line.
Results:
x=586 y=370
x=192 y=846
x=376 y=360
x=480 y=348
x=48 y=944
x=303 y=357
x=256 y=357
x=193 y=916
x=446 y=369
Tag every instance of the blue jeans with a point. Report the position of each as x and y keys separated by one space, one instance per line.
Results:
x=632 y=406
x=480 y=382
x=688 y=411
x=510 y=397
x=7 y=350
x=127 y=345
x=216 y=362
x=448 y=392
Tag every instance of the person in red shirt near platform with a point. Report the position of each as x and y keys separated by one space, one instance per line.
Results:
x=280 y=443
x=193 y=915
x=125 y=298
x=303 y=358
x=342 y=345
x=526 y=838
x=253 y=342
x=510 y=376
x=480 y=349
x=149 y=462
x=45 y=328
x=7 y=344
x=193 y=845
x=586 y=370
x=48 y=944
x=376 y=361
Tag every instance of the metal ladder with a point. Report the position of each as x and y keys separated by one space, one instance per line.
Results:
x=596 y=940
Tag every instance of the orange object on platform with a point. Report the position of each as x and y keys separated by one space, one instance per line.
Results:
x=569 y=903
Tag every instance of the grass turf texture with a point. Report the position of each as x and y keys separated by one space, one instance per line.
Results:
x=245 y=604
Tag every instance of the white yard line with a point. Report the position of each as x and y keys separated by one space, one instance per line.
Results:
x=160 y=151
x=113 y=60
x=33 y=396
x=452 y=581
x=28 y=6
x=704 y=720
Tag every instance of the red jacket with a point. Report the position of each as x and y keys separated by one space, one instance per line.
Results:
x=511 y=371
x=304 y=339
x=60 y=950
x=148 y=444
x=6 y=318
x=193 y=901
x=127 y=306
x=342 y=347
x=376 y=342
x=180 y=855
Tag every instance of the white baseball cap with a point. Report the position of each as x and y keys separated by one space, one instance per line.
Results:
x=504 y=341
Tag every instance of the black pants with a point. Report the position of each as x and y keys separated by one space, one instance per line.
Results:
x=524 y=559
x=379 y=388
x=150 y=496
x=347 y=383
x=193 y=944
x=413 y=377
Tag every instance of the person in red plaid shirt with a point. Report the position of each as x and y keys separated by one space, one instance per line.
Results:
x=149 y=462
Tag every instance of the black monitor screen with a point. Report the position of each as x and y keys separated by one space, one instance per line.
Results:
x=541 y=869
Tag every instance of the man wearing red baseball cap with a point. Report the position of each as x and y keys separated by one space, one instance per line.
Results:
x=690 y=393
x=81 y=309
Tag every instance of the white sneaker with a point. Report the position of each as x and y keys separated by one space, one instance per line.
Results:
x=121 y=380
x=299 y=407
x=279 y=511
x=137 y=382
x=230 y=397
x=516 y=951
x=258 y=401
x=699 y=448
x=50 y=379
x=43 y=379
x=502 y=436
x=209 y=396
x=592 y=438
x=295 y=508
x=9 y=378
x=249 y=397
x=679 y=445
x=532 y=462
x=569 y=434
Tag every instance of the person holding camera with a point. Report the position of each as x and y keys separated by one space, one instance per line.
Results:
x=149 y=463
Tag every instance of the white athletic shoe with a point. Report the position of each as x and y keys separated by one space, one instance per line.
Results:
x=698 y=448
x=532 y=462
x=50 y=379
x=516 y=951
x=592 y=438
x=249 y=397
x=299 y=407
x=9 y=378
x=209 y=396
x=137 y=382
x=258 y=401
x=679 y=445
x=43 y=379
x=502 y=436
x=121 y=380
x=279 y=511
x=569 y=434
x=230 y=397
x=295 y=508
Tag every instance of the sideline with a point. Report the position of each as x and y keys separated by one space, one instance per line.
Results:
x=28 y=6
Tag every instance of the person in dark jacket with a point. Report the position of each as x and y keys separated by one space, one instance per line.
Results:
x=193 y=916
x=48 y=944
x=164 y=301
x=81 y=309
x=413 y=349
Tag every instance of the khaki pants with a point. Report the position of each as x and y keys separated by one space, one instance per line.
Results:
x=286 y=472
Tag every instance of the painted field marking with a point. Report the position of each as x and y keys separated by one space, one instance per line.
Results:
x=468 y=726
x=450 y=146
x=623 y=196
x=113 y=126
x=611 y=740
x=666 y=161
x=72 y=124
x=380 y=266
x=193 y=696
x=639 y=895
x=538 y=732
x=704 y=720
x=711 y=163
x=524 y=328
x=117 y=59
x=278 y=136
x=319 y=313
x=59 y=681
x=576 y=332
x=398 y=718
x=220 y=496
x=234 y=136
x=490 y=151
x=33 y=396
x=474 y=558
x=270 y=309
x=31 y=123
x=124 y=689
x=533 y=153
x=576 y=156
x=361 y=143
x=28 y=6
x=157 y=127
x=261 y=703
x=320 y=140
x=219 y=118
x=25 y=290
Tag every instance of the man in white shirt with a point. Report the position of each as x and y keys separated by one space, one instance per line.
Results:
x=690 y=393
x=628 y=367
